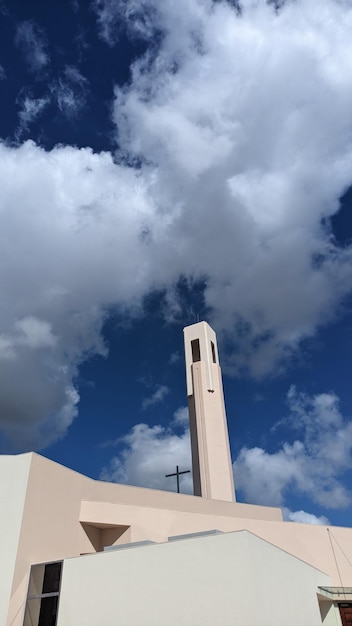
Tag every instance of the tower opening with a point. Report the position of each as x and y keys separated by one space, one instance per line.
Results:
x=195 y=350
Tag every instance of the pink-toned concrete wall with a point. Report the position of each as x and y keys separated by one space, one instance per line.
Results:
x=211 y=458
x=312 y=544
x=51 y=526
x=60 y=502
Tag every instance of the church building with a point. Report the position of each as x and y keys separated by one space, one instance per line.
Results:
x=79 y=552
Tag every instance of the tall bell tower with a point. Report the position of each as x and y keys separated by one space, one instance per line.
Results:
x=211 y=458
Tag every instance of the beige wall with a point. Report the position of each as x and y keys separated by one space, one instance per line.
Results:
x=52 y=515
x=307 y=542
x=216 y=580
x=50 y=529
x=66 y=514
x=13 y=484
x=211 y=458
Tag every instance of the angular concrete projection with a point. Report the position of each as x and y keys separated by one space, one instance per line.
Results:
x=211 y=459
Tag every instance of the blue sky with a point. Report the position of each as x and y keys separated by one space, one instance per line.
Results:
x=162 y=163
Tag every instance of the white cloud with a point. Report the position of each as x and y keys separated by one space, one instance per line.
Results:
x=69 y=91
x=134 y=16
x=38 y=400
x=239 y=170
x=302 y=517
x=30 y=109
x=248 y=163
x=29 y=332
x=149 y=453
x=68 y=227
x=158 y=396
x=2 y=73
x=31 y=40
x=74 y=75
x=302 y=467
x=181 y=417
x=312 y=465
x=107 y=19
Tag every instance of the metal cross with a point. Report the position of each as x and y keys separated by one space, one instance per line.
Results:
x=177 y=474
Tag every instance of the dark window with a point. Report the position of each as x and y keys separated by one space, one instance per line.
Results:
x=195 y=350
x=213 y=352
x=43 y=595
x=48 y=611
x=52 y=577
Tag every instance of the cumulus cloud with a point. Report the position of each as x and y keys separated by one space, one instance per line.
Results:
x=68 y=227
x=29 y=332
x=148 y=454
x=247 y=122
x=158 y=396
x=181 y=417
x=239 y=127
x=31 y=41
x=302 y=517
x=312 y=465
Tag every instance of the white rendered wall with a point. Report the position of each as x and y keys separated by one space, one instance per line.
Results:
x=220 y=580
x=14 y=472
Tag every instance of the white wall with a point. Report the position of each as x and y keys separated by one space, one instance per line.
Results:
x=235 y=578
x=14 y=472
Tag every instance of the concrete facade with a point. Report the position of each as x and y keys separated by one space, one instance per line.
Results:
x=57 y=514
x=261 y=571
x=211 y=458
x=14 y=472
x=220 y=580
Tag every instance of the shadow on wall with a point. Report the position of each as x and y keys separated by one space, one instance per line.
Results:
x=98 y=536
